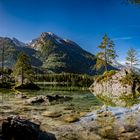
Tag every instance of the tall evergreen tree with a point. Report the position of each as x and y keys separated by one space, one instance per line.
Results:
x=107 y=54
x=23 y=67
x=2 y=45
x=132 y=58
x=2 y=63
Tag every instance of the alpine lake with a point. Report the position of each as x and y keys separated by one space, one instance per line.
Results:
x=84 y=106
x=82 y=102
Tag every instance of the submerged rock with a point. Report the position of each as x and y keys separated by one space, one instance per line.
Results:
x=21 y=96
x=16 y=128
x=51 y=114
x=70 y=118
x=47 y=99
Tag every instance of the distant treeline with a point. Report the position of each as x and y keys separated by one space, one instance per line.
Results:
x=66 y=78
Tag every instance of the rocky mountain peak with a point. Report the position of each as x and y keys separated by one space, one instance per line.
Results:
x=48 y=35
x=18 y=43
x=51 y=52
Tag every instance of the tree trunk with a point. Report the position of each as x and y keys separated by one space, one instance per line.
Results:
x=22 y=76
x=105 y=60
x=131 y=65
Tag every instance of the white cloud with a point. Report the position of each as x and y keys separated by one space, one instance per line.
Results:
x=122 y=62
x=126 y=38
x=123 y=38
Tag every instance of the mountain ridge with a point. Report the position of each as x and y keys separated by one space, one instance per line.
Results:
x=52 y=53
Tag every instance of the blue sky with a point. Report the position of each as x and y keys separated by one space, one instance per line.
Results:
x=83 y=21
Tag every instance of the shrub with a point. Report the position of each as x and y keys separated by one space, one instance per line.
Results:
x=105 y=76
x=129 y=79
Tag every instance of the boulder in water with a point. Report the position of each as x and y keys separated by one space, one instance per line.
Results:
x=116 y=84
x=47 y=99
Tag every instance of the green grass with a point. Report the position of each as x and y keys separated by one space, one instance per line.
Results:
x=129 y=79
x=105 y=76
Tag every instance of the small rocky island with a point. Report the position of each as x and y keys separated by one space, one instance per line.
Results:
x=124 y=83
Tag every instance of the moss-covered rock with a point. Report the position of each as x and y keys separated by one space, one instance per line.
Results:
x=116 y=84
x=105 y=76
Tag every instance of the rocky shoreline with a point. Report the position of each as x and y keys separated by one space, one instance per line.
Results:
x=107 y=123
x=102 y=123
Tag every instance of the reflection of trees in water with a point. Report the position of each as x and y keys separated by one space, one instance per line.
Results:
x=124 y=101
x=4 y=98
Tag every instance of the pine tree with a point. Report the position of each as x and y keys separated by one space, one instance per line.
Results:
x=2 y=45
x=23 y=67
x=111 y=53
x=107 y=54
x=2 y=64
x=132 y=58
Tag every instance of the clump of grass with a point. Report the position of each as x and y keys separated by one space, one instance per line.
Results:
x=105 y=76
x=129 y=79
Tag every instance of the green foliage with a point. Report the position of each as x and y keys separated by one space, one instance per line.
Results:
x=105 y=76
x=6 y=85
x=53 y=56
x=6 y=71
x=109 y=73
x=64 y=57
x=43 y=50
x=68 y=79
x=129 y=79
x=106 y=100
x=132 y=58
x=130 y=100
x=22 y=67
x=99 y=63
x=64 y=88
x=107 y=54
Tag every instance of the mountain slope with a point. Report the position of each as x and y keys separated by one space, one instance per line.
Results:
x=61 y=55
x=12 y=48
x=51 y=53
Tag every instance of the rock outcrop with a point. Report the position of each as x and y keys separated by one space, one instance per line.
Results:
x=47 y=99
x=16 y=128
x=116 y=84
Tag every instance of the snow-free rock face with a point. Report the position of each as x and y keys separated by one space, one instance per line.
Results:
x=62 y=55
x=116 y=84
x=51 y=53
x=18 y=43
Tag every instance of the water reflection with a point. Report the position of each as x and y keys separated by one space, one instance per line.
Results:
x=81 y=103
x=5 y=96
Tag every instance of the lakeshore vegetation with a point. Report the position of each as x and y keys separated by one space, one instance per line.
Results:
x=24 y=73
